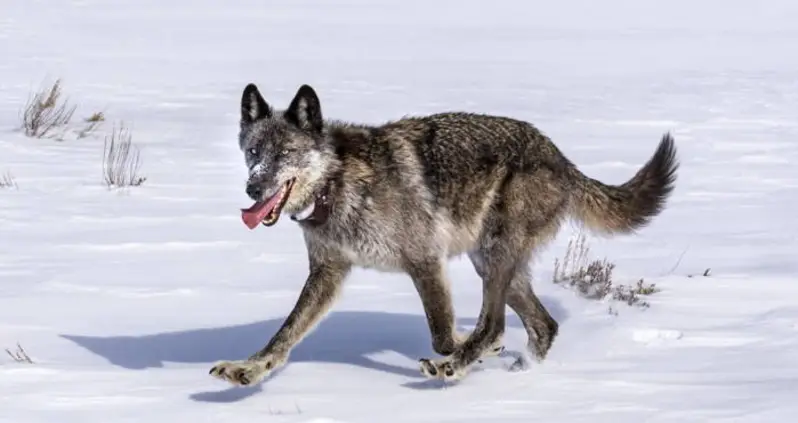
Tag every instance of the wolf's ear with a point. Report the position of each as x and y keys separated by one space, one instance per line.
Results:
x=305 y=110
x=253 y=106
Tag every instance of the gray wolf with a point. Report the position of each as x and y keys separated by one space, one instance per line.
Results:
x=408 y=195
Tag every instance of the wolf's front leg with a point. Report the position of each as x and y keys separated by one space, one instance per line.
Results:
x=320 y=290
x=485 y=340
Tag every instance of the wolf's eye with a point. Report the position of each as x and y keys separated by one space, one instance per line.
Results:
x=253 y=151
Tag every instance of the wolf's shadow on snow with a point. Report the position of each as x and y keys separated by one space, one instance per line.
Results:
x=344 y=337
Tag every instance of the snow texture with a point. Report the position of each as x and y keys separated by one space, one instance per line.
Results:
x=125 y=298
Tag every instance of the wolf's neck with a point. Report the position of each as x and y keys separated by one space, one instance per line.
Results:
x=347 y=138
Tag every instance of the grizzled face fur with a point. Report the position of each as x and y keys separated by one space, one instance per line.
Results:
x=285 y=151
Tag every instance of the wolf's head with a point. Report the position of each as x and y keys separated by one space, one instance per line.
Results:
x=286 y=152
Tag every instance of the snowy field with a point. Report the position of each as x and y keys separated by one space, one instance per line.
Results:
x=124 y=299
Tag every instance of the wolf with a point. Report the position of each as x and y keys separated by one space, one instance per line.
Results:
x=408 y=195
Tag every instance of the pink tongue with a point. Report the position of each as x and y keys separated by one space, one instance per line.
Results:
x=255 y=214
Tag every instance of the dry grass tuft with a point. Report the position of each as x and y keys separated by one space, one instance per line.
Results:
x=594 y=279
x=7 y=181
x=96 y=117
x=92 y=123
x=19 y=356
x=121 y=160
x=45 y=113
x=631 y=295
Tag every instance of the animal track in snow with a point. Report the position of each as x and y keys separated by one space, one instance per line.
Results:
x=153 y=246
x=671 y=337
x=97 y=400
x=655 y=336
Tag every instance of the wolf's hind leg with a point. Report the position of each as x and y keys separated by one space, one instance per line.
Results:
x=540 y=327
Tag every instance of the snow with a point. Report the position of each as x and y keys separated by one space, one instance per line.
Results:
x=125 y=298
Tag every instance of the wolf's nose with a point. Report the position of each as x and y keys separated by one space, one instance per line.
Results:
x=254 y=192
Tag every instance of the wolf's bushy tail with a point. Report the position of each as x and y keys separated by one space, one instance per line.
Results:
x=608 y=209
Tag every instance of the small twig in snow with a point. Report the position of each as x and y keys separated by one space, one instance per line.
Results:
x=20 y=356
x=678 y=262
x=7 y=181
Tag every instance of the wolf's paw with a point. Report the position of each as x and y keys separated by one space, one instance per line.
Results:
x=242 y=372
x=445 y=369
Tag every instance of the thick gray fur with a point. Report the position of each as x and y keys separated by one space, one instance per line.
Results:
x=408 y=195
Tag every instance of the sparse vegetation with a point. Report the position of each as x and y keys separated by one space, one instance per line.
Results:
x=92 y=123
x=45 y=112
x=631 y=294
x=19 y=355
x=121 y=159
x=47 y=115
x=593 y=279
x=7 y=181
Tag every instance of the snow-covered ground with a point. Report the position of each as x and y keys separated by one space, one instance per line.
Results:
x=125 y=299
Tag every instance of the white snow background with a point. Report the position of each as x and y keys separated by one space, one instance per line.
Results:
x=124 y=299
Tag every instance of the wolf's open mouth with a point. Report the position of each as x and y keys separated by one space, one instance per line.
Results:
x=267 y=211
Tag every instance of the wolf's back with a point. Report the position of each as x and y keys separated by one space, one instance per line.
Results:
x=624 y=208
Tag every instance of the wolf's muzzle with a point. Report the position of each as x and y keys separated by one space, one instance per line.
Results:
x=254 y=191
